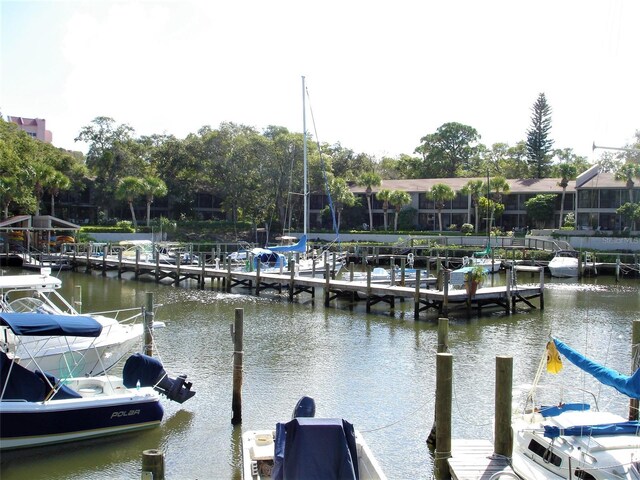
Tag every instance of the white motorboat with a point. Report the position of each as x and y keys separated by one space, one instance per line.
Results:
x=37 y=408
x=308 y=447
x=564 y=264
x=574 y=440
x=59 y=355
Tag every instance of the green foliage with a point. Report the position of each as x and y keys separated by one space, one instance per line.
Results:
x=540 y=208
x=467 y=228
x=122 y=227
x=448 y=151
x=539 y=145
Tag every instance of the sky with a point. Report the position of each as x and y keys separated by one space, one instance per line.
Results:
x=380 y=75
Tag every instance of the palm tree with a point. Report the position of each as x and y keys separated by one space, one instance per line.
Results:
x=567 y=172
x=128 y=189
x=627 y=173
x=369 y=180
x=153 y=187
x=41 y=176
x=342 y=196
x=441 y=193
x=8 y=191
x=499 y=187
x=57 y=182
x=475 y=189
x=398 y=198
x=383 y=196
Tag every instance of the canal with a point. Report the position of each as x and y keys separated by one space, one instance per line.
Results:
x=376 y=370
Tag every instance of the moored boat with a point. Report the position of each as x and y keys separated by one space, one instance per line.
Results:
x=37 y=408
x=576 y=440
x=63 y=356
x=308 y=447
x=564 y=264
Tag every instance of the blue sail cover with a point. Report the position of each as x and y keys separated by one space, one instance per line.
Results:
x=628 y=385
x=43 y=324
x=300 y=247
x=621 y=428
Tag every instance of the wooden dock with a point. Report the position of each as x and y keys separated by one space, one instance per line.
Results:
x=442 y=301
x=475 y=460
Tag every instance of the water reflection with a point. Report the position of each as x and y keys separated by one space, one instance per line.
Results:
x=377 y=370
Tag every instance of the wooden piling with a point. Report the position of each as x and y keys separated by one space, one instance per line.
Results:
x=237 y=332
x=444 y=389
x=152 y=465
x=77 y=299
x=634 y=403
x=148 y=325
x=503 y=443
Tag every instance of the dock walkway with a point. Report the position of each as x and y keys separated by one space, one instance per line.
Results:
x=442 y=301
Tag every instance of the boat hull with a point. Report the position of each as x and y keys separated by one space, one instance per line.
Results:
x=30 y=424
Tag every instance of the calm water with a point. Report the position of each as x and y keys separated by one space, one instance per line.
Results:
x=376 y=370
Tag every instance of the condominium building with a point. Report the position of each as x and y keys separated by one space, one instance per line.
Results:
x=35 y=127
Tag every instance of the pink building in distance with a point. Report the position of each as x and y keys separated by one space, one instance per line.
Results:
x=35 y=127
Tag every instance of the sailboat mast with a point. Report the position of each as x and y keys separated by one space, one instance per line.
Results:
x=304 y=149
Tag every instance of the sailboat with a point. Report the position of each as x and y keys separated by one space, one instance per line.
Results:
x=574 y=440
x=307 y=263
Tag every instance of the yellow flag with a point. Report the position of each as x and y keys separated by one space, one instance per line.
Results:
x=554 y=362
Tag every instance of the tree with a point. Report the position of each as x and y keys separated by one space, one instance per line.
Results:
x=448 y=150
x=539 y=145
x=41 y=176
x=152 y=187
x=441 y=193
x=383 y=196
x=342 y=197
x=499 y=187
x=398 y=198
x=567 y=172
x=540 y=208
x=57 y=182
x=627 y=172
x=128 y=189
x=369 y=180
x=475 y=189
x=630 y=211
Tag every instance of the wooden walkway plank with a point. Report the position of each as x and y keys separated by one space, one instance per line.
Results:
x=474 y=460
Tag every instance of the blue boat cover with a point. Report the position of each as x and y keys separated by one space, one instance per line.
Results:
x=621 y=428
x=264 y=256
x=554 y=410
x=43 y=324
x=300 y=247
x=628 y=385
x=315 y=449
x=19 y=383
x=142 y=368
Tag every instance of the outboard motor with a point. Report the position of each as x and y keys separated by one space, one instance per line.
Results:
x=150 y=373
x=306 y=407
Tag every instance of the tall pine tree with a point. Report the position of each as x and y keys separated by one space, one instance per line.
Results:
x=539 y=145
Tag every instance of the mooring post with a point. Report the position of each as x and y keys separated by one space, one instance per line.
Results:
x=77 y=299
x=152 y=465
x=634 y=403
x=446 y=274
x=148 y=325
x=503 y=444
x=541 y=288
x=443 y=347
x=444 y=389
x=119 y=263
x=292 y=273
x=105 y=250
x=508 y=291
x=416 y=297
x=327 y=281
x=237 y=332
x=368 y=288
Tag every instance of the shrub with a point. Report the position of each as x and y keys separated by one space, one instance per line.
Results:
x=467 y=228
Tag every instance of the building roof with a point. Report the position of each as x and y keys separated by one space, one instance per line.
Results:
x=524 y=185
x=537 y=185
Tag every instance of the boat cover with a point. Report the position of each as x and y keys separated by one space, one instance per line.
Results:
x=315 y=449
x=555 y=410
x=20 y=383
x=43 y=324
x=628 y=385
x=300 y=247
x=264 y=256
x=621 y=428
